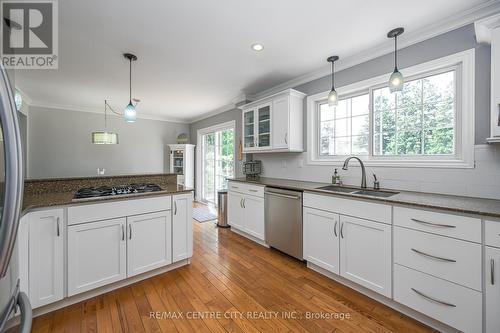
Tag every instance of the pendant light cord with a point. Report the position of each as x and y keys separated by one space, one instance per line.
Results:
x=105 y=116
x=333 y=76
x=130 y=80
x=395 y=52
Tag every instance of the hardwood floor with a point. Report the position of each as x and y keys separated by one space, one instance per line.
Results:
x=231 y=284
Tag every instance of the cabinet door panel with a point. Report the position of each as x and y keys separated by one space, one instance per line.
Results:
x=321 y=239
x=249 y=126
x=253 y=216
x=46 y=260
x=263 y=125
x=149 y=244
x=365 y=249
x=280 y=123
x=182 y=227
x=235 y=210
x=492 y=289
x=96 y=254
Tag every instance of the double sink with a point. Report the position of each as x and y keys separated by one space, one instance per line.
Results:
x=357 y=191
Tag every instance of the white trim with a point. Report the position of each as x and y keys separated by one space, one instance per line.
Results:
x=465 y=106
x=199 y=134
x=409 y=38
x=228 y=107
x=484 y=26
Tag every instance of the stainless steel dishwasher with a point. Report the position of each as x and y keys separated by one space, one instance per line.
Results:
x=284 y=220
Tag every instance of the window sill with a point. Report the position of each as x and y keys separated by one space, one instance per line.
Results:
x=398 y=163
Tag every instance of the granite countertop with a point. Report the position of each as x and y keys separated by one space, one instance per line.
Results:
x=458 y=204
x=40 y=193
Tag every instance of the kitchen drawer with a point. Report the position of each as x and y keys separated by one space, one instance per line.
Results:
x=454 y=305
x=492 y=233
x=352 y=207
x=255 y=190
x=114 y=209
x=447 y=258
x=455 y=226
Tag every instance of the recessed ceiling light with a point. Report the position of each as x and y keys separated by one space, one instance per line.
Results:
x=257 y=47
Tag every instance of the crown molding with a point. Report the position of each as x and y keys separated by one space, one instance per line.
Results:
x=484 y=26
x=409 y=38
x=231 y=106
x=140 y=115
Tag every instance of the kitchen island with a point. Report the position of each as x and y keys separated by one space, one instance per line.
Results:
x=74 y=249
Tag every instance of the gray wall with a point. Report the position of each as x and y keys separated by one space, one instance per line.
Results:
x=440 y=46
x=234 y=114
x=59 y=144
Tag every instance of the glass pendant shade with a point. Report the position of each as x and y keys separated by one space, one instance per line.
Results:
x=104 y=138
x=333 y=98
x=130 y=113
x=396 y=81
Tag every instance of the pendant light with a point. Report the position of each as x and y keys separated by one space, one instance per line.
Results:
x=396 y=81
x=129 y=112
x=104 y=137
x=333 y=98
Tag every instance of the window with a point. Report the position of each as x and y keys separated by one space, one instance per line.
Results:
x=345 y=128
x=423 y=125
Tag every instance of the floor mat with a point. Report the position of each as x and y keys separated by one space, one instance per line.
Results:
x=203 y=214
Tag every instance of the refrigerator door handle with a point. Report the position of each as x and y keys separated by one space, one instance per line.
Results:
x=26 y=313
x=13 y=172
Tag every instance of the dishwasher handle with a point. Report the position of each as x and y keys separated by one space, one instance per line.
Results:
x=283 y=195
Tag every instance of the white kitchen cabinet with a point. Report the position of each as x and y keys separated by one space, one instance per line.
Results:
x=274 y=123
x=97 y=254
x=246 y=211
x=149 y=243
x=46 y=259
x=182 y=163
x=253 y=216
x=321 y=239
x=182 y=226
x=365 y=253
x=492 y=289
x=235 y=209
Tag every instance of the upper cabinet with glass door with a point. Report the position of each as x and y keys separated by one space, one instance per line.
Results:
x=274 y=123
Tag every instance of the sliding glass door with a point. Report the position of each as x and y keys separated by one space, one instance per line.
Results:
x=218 y=162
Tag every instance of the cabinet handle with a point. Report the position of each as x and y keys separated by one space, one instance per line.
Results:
x=342 y=230
x=286 y=138
x=241 y=202
x=434 y=224
x=492 y=275
x=130 y=231
x=244 y=203
x=433 y=257
x=123 y=233
x=251 y=190
x=335 y=229
x=433 y=299
x=175 y=207
x=57 y=227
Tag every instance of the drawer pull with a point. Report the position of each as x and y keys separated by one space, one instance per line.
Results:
x=434 y=224
x=433 y=257
x=253 y=190
x=433 y=299
x=492 y=274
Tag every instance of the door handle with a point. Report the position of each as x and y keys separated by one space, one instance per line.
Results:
x=342 y=230
x=244 y=203
x=57 y=227
x=286 y=138
x=492 y=274
x=241 y=202
x=130 y=231
x=434 y=224
x=335 y=228
x=432 y=256
x=433 y=299
x=283 y=195
x=175 y=207
x=123 y=233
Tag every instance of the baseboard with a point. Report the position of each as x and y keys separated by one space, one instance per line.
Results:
x=437 y=325
x=247 y=235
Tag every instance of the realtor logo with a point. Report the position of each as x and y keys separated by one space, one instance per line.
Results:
x=29 y=34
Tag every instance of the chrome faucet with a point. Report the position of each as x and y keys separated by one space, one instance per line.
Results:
x=363 y=171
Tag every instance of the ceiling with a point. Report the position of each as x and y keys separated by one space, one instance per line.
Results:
x=195 y=55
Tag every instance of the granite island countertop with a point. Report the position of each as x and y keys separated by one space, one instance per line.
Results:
x=43 y=193
x=452 y=203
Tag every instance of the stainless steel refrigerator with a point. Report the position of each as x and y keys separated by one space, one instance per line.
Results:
x=12 y=300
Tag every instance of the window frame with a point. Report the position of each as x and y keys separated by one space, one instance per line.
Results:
x=462 y=63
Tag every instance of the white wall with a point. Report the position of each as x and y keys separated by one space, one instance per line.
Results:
x=482 y=181
x=59 y=144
